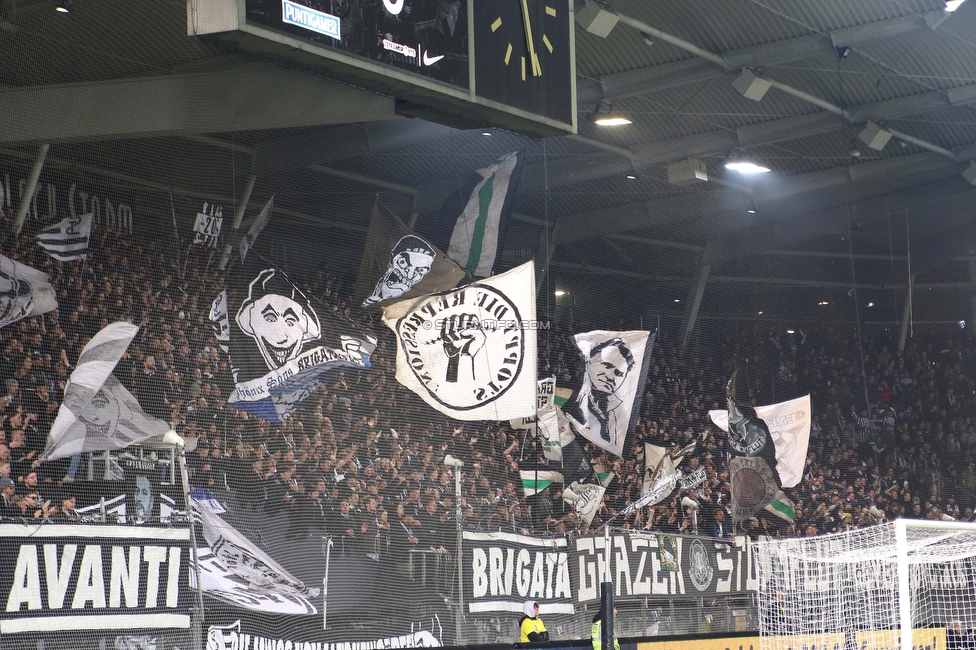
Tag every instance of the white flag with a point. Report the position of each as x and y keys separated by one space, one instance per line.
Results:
x=609 y=401
x=94 y=407
x=588 y=499
x=235 y=570
x=789 y=425
x=470 y=352
x=219 y=320
x=68 y=239
x=24 y=292
x=206 y=228
x=247 y=241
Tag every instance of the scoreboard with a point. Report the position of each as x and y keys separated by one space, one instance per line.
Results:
x=465 y=63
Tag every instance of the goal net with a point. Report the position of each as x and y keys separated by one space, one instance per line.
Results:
x=857 y=590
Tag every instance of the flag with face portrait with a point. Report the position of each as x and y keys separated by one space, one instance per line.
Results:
x=24 y=292
x=470 y=352
x=98 y=413
x=398 y=264
x=608 y=403
x=283 y=346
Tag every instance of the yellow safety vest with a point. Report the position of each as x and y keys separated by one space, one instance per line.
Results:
x=597 y=639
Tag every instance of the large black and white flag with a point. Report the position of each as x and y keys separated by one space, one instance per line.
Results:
x=235 y=570
x=247 y=241
x=398 y=264
x=67 y=240
x=24 y=292
x=756 y=482
x=470 y=352
x=207 y=225
x=282 y=347
x=98 y=413
x=471 y=224
x=608 y=403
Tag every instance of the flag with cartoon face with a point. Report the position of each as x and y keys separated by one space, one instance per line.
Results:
x=399 y=264
x=283 y=346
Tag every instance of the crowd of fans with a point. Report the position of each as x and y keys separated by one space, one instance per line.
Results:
x=362 y=458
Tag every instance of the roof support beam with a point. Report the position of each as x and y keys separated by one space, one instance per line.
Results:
x=253 y=97
x=742 y=243
x=697 y=70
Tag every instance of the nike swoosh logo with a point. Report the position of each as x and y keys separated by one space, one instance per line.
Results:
x=431 y=60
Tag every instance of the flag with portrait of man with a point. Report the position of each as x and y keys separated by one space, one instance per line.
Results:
x=608 y=402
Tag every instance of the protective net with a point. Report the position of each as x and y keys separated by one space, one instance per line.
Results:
x=865 y=586
x=209 y=240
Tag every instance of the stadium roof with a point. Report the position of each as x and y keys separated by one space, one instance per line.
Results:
x=124 y=95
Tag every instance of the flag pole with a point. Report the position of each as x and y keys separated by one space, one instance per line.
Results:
x=179 y=446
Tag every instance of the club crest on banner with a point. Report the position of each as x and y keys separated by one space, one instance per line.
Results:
x=410 y=260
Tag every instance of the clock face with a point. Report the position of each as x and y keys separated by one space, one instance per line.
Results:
x=522 y=55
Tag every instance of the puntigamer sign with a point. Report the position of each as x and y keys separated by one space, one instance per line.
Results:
x=92 y=577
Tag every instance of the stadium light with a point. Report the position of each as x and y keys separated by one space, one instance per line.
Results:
x=746 y=167
x=952 y=5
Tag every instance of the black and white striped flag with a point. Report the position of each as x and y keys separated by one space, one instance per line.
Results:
x=67 y=240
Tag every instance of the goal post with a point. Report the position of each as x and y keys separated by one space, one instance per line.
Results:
x=858 y=590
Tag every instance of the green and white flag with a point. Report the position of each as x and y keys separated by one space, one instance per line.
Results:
x=782 y=506
x=472 y=222
x=537 y=480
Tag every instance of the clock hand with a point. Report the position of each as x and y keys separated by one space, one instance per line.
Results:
x=536 y=68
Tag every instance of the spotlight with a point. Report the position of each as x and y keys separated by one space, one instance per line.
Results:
x=559 y=292
x=874 y=136
x=612 y=120
x=750 y=85
x=631 y=177
x=751 y=211
x=451 y=461
x=790 y=331
x=823 y=303
x=970 y=173
x=647 y=38
x=952 y=5
x=687 y=172
x=746 y=167
x=961 y=324
x=596 y=19
x=486 y=133
x=870 y=304
x=843 y=52
x=603 y=115
x=677 y=300
x=760 y=313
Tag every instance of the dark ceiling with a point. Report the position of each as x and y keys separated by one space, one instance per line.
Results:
x=126 y=98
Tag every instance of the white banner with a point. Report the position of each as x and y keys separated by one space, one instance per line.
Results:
x=470 y=352
x=789 y=424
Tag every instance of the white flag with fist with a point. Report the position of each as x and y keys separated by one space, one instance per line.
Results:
x=471 y=352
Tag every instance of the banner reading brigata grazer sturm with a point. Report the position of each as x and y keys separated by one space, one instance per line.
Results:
x=283 y=346
x=470 y=352
x=87 y=577
x=503 y=570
